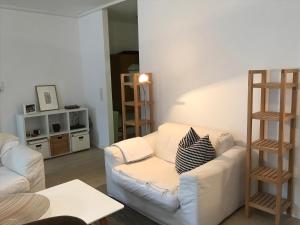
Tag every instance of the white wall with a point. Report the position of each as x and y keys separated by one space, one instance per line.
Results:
x=37 y=49
x=123 y=36
x=200 y=52
x=96 y=72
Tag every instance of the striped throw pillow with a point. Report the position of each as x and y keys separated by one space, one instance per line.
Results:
x=193 y=152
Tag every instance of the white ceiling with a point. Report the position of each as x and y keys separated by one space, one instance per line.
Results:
x=70 y=8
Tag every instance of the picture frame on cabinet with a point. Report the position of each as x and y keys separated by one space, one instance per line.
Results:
x=47 y=97
x=29 y=108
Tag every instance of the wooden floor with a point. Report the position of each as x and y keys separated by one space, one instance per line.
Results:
x=88 y=166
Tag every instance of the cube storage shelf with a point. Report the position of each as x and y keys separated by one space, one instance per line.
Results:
x=74 y=124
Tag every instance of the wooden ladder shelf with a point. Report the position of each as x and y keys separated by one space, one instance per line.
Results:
x=133 y=104
x=274 y=204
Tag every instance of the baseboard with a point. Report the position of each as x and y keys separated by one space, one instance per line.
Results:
x=296 y=212
x=101 y=146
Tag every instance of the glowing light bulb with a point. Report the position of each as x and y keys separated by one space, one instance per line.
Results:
x=143 y=78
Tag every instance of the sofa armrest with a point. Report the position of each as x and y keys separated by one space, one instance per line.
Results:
x=151 y=139
x=113 y=156
x=27 y=163
x=215 y=189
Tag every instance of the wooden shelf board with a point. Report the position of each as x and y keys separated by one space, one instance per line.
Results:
x=272 y=116
x=267 y=203
x=131 y=84
x=291 y=70
x=258 y=71
x=141 y=122
x=270 y=145
x=267 y=174
x=131 y=103
x=273 y=85
x=128 y=83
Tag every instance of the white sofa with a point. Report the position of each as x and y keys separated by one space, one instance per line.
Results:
x=21 y=168
x=203 y=196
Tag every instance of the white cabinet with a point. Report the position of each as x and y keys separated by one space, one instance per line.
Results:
x=34 y=129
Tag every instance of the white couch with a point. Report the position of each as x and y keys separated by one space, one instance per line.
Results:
x=203 y=196
x=21 y=169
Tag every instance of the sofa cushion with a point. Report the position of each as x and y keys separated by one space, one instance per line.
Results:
x=11 y=182
x=153 y=179
x=170 y=134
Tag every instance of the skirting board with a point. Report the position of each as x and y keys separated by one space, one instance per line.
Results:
x=296 y=212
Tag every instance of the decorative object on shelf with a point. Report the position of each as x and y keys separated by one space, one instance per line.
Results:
x=29 y=108
x=47 y=97
x=274 y=204
x=56 y=127
x=75 y=121
x=142 y=103
x=36 y=132
x=72 y=106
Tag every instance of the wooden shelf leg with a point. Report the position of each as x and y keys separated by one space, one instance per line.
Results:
x=262 y=123
x=280 y=150
x=123 y=107
x=277 y=219
x=249 y=141
x=292 y=141
x=278 y=204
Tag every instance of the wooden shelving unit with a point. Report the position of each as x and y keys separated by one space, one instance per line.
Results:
x=135 y=104
x=274 y=204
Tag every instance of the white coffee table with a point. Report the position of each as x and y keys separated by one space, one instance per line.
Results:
x=75 y=198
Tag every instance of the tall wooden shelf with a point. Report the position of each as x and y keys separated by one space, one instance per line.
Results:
x=132 y=102
x=274 y=204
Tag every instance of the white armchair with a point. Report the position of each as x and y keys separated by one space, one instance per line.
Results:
x=203 y=196
x=21 y=170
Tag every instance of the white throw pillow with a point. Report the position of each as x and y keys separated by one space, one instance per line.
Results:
x=7 y=142
x=134 y=149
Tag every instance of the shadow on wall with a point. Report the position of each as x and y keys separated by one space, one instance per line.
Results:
x=212 y=106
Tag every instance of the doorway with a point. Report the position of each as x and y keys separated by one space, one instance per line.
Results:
x=124 y=54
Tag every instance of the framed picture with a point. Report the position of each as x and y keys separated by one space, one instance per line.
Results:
x=47 y=97
x=29 y=108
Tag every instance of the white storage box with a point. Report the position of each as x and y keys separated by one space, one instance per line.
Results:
x=80 y=141
x=41 y=146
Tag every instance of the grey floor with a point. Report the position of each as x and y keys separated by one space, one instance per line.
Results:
x=88 y=166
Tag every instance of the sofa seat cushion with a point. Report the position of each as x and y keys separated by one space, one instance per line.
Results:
x=153 y=179
x=11 y=182
x=170 y=134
